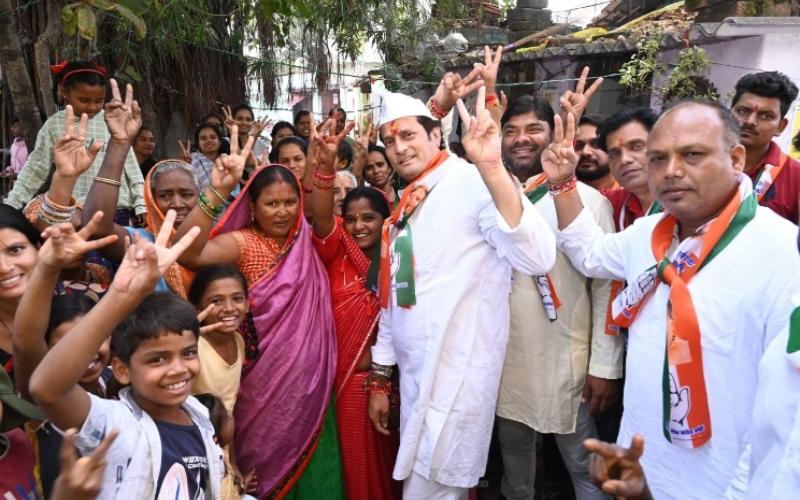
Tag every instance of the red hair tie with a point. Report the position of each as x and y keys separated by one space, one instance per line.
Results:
x=58 y=68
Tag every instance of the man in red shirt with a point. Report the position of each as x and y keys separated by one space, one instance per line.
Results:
x=624 y=137
x=760 y=104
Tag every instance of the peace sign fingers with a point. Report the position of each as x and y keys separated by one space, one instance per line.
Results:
x=115 y=95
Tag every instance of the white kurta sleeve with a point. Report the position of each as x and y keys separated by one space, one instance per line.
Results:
x=383 y=351
x=592 y=252
x=737 y=488
x=530 y=247
x=607 y=351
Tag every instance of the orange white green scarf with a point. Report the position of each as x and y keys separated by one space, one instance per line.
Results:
x=686 y=418
x=395 y=275
x=768 y=176
x=535 y=191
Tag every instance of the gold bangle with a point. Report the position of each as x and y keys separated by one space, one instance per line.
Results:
x=106 y=180
x=216 y=193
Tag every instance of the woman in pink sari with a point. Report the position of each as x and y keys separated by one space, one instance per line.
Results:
x=285 y=417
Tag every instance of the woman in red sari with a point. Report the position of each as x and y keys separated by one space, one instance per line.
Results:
x=346 y=246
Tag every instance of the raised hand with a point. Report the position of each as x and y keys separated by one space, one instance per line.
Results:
x=186 y=151
x=229 y=121
x=482 y=140
x=452 y=88
x=64 y=247
x=364 y=138
x=145 y=262
x=81 y=477
x=327 y=144
x=228 y=169
x=258 y=126
x=70 y=154
x=617 y=470
x=575 y=102
x=202 y=315
x=123 y=118
x=559 y=159
x=490 y=67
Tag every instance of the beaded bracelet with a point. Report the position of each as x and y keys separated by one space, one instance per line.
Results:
x=564 y=187
x=437 y=111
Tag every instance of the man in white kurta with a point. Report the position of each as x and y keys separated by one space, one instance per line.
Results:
x=742 y=297
x=551 y=351
x=449 y=346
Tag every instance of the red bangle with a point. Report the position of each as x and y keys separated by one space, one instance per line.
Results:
x=436 y=111
x=491 y=100
x=563 y=187
x=376 y=387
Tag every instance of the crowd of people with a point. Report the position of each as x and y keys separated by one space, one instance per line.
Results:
x=256 y=319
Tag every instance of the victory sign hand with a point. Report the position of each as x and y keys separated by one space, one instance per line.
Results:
x=228 y=169
x=452 y=88
x=145 y=262
x=64 y=247
x=576 y=102
x=123 y=118
x=482 y=140
x=559 y=159
x=70 y=154
x=327 y=144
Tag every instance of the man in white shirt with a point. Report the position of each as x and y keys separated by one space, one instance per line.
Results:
x=446 y=313
x=712 y=281
x=561 y=367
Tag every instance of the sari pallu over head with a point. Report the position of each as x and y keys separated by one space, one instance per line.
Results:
x=178 y=278
x=285 y=392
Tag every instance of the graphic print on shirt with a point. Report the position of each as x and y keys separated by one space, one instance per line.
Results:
x=184 y=465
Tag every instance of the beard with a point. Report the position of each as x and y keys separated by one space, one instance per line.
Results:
x=523 y=170
x=587 y=171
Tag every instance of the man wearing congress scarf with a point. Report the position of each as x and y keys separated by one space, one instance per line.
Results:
x=702 y=301
x=760 y=104
x=561 y=368
x=447 y=254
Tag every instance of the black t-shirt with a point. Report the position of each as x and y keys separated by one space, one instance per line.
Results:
x=146 y=165
x=184 y=464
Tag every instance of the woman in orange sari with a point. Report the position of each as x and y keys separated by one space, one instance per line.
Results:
x=346 y=246
x=171 y=184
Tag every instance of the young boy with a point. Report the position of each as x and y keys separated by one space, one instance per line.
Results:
x=165 y=447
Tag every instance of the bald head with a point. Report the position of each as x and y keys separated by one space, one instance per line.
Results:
x=730 y=125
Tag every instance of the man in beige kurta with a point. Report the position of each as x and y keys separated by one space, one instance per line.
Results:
x=550 y=355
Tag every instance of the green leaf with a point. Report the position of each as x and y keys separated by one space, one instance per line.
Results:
x=87 y=22
x=102 y=4
x=132 y=74
x=69 y=19
x=137 y=7
x=139 y=26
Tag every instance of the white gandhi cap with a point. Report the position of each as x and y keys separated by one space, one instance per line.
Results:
x=396 y=106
